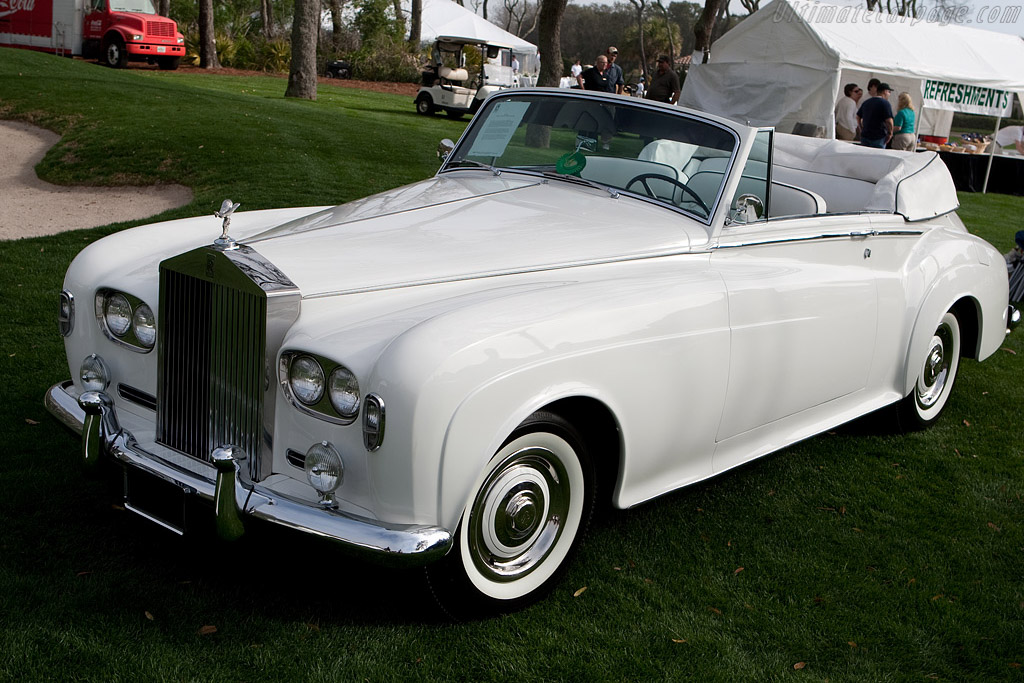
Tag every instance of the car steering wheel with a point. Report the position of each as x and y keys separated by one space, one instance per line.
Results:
x=644 y=177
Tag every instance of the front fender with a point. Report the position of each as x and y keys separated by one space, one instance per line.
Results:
x=646 y=345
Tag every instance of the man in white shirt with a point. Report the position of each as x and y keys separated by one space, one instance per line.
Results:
x=846 y=112
x=575 y=70
x=1011 y=135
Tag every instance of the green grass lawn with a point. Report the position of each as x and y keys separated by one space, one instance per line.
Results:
x=856 y=555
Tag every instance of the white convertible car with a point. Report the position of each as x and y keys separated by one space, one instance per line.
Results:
x=596 y=299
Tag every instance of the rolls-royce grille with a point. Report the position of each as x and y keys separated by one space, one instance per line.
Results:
x=212 y=374
x=160 y=29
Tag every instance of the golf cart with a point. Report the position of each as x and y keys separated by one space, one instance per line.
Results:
x=461 y=74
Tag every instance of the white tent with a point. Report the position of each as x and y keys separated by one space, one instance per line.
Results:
x=786 y=64
x=447 y=18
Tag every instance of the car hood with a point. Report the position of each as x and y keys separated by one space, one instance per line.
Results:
x=465 y=225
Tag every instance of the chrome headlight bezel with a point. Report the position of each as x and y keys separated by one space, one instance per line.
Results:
x=66 y=314
x=324 y=407
x=129 y=338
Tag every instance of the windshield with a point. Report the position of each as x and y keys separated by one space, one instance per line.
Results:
x=663 y=155
x=139 y=6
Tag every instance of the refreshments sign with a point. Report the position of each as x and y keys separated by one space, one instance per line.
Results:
x=971 y=99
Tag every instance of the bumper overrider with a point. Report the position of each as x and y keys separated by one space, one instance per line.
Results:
x=235 y=498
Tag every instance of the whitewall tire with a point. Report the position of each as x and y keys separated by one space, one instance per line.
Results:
x=529 y=509
x=935 y=376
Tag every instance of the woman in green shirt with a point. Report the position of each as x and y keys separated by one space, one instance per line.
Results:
x=903 y=124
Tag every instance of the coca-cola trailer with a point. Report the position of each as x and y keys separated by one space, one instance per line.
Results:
x=112 y=31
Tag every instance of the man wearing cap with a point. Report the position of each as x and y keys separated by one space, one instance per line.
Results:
x=875 y=118
x=664 y=86
x=615 y=80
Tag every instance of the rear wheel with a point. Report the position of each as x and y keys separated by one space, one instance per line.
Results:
x=114 y=53
x=935 y=377
x=529 y=510
x=454 y=113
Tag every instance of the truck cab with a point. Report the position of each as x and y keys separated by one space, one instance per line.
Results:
x=116 y=31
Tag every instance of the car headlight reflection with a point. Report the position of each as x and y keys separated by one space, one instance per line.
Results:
x=117 y=313
x=306 y=378
x=144 y=326
x=344 y=392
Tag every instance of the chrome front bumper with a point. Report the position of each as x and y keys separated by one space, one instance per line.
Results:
x=93 y=416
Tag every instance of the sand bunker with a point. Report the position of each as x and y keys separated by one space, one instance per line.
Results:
x=30 y=208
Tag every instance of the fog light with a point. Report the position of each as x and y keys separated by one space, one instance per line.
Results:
x=325 y=471
x=94 y=374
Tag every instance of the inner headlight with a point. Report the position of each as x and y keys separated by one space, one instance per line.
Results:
x=343 y=390
x=144 y=326
x=94 y=374
x=118 y=314
x=325 y=470
x=306 y=378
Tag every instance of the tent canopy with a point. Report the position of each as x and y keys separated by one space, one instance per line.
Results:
x=786 y=64
x=447 y=18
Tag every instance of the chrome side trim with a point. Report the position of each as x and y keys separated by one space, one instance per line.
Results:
x=389 y=544
x=856 y=235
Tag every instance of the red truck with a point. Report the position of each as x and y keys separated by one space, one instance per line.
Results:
x=111 y=31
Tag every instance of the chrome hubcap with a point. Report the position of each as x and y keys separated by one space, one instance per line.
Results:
x=935 y=373
x=518 y=515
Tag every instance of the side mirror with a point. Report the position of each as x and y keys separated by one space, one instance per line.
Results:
x=444 y=148
x=747 y=208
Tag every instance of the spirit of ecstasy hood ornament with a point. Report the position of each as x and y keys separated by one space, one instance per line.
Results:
x=224 y=242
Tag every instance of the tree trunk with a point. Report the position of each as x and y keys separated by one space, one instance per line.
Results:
x=267 y=18
x=549 y=42
x=399 y=16
x=207 y=42
x=336 y=25
x=485 y=10
x=704 y=26
x=164 y=8
x=549 y=45
x=669 y=31
x=305 y=29
x=639 y=5
x=415 y=24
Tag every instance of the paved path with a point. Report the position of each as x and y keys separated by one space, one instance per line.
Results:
x=29 y=207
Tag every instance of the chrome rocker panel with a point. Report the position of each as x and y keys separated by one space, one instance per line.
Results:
x=92 y=415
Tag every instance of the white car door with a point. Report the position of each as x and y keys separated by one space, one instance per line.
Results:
x=803 y=312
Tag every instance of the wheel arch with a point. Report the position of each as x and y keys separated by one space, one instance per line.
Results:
x=599 y=427
x=968 y=312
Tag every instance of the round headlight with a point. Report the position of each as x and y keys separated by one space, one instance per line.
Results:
x=343 y=390
x=306 y=378
x=118 y=314
x=324 y=468
x=144 y=326
x=94 y=374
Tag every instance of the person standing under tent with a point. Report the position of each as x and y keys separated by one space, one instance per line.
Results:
x=846 y=112
x=875 y=118
x=903 y=124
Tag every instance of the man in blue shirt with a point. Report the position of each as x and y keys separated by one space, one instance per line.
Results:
x=875 y=118
x=615 y=81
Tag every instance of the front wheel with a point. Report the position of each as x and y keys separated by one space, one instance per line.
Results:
x=114 y=53
x=424 y=105
x=935 y=377
x=529 y=510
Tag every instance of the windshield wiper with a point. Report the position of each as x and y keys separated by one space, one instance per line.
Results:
x=583 y=181
x=481 y=164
